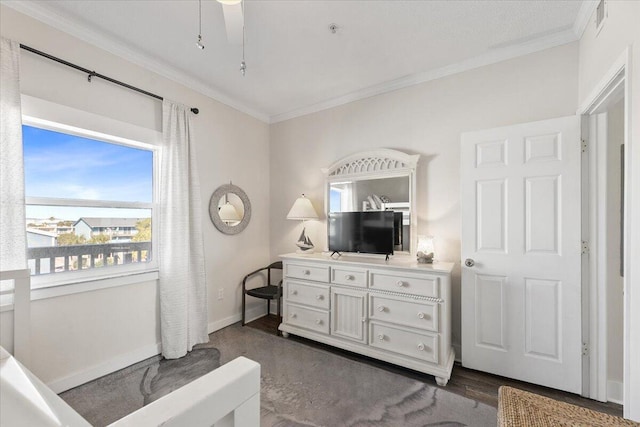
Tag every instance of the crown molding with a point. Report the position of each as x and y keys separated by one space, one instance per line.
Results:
x=491 y=57
x=50 y=17
x=70 y=26
x=584 y=15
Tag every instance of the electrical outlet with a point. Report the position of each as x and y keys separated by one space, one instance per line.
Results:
x=221 y=293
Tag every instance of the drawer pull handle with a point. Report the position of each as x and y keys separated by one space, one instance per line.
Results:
x=292 y=315
x=400 y=283
x=381 y=308
x=319 y=297
x=421 y=347
x=294 y=292
x=318 y=322
x=381 y=337
x=421 y=315
x=349 y=277
x=306 y=272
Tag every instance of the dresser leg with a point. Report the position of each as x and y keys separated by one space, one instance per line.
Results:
x=442 y=381
x=285 y=334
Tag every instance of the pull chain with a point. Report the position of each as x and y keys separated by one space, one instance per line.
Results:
x=243 y=65
x=199 y=42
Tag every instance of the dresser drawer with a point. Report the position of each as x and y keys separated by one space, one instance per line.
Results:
x=417 y=284
x=349 y=276
x=404 y=311
x=319 y=273
x=419 y=345
x=309 y=318
x=307 y=294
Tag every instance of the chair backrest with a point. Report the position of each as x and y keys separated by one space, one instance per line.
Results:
x=275 y=265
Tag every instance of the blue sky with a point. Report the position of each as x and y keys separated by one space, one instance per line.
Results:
x=67 y=166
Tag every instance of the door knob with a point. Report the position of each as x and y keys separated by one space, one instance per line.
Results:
x=469 y=262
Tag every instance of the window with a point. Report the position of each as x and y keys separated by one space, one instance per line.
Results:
x=341 y=196
x=89 y=202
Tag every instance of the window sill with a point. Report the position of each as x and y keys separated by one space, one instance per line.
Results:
x=87 y=285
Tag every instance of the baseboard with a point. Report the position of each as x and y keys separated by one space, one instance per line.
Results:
x=252 y=314
x=119 y=362
x=81 y=377
x=615 y=392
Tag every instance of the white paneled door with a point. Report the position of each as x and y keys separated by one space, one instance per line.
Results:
x=521 y=252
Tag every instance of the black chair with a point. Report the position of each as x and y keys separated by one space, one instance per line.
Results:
x=268 y=291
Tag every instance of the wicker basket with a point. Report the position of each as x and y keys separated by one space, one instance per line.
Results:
x=518 y=408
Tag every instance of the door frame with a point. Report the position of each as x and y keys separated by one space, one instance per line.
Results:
x=610 y=89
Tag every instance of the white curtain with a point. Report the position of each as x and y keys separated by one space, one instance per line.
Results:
x=13 y=243
x=183 y=293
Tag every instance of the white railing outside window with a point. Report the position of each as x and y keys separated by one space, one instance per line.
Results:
x=57 y=259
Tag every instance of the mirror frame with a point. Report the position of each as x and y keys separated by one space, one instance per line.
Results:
x=215 y=201
x=377 y=164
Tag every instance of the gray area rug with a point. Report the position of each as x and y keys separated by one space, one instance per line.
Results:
x=113 y=396
x=301 y=386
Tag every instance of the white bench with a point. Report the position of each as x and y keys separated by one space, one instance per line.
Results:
x=226 y=397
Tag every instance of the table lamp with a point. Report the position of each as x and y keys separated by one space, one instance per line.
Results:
x=302 y=210
x=425 y=250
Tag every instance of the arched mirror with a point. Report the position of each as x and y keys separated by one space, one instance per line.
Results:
x=230 y=209
x=377 y=180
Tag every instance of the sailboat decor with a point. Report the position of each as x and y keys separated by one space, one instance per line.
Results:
x=304 y=242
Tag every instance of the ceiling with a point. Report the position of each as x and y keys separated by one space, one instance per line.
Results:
x=295 y=64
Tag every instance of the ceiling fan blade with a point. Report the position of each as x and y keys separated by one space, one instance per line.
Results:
x=233 y=21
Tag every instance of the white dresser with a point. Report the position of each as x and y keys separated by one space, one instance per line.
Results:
x=398 y=311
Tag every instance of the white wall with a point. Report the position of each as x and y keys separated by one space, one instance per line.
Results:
x=76 y=333
x=598 y=52
x=426 y=119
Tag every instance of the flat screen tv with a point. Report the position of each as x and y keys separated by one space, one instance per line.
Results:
x=370 y=232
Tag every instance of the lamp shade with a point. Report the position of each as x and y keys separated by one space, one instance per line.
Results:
x=425 y=244
x=228 y=212
x=302 y=209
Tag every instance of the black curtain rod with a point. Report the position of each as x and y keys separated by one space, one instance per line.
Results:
x=91 y=74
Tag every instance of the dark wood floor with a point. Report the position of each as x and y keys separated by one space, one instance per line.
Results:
x=475 y=385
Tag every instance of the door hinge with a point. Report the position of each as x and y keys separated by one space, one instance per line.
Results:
x=585 y=349
x=585 y=247
x=584 y=145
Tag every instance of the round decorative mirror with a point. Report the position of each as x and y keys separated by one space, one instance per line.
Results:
x=230 y=209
